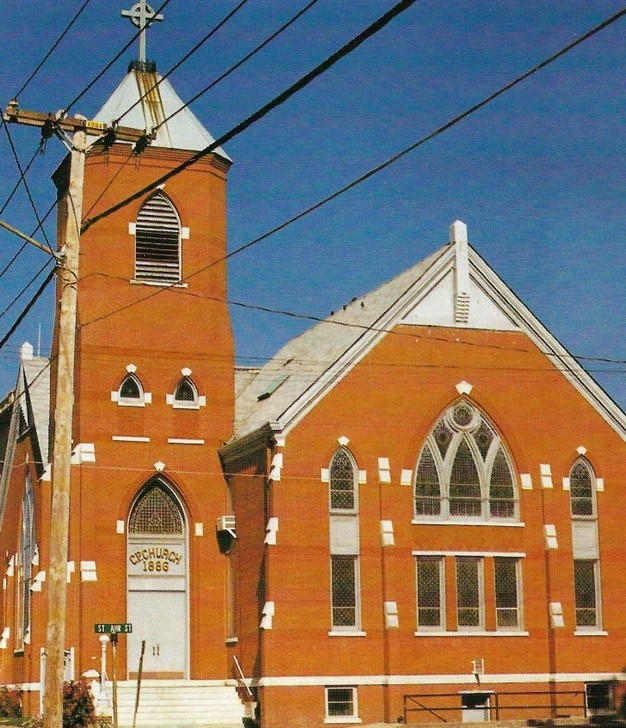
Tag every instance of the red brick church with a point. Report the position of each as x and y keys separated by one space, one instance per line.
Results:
x=413 y=508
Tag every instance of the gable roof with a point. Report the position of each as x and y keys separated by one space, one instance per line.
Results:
x=158 y=102
x=453 y=287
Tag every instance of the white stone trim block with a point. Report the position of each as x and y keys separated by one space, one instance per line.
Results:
x=391 y=615
x=325 y=475
x=527 y=481
x=556 y=614
x=270 y=531
x=198 y=529
x=546 y=475
x=88 y=571
x=268 y=615
x=386 y=533
x=406 y=477
x=120 y=527
x=384 y=471
x=464 y=387
x=549 y=532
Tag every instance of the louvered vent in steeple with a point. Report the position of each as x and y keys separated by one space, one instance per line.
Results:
x=157 y=241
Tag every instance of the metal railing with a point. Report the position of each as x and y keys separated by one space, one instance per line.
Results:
x=496 y=703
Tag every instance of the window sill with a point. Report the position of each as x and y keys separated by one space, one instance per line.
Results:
x=179 y=406
x=160 y=284
x=356 y=633
x=342 y=719
x=130 y=403
x=591 y=633
x=231 y=641
x=466 y=522
x=470 y=633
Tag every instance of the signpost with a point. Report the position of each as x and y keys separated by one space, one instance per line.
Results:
x=113 y=630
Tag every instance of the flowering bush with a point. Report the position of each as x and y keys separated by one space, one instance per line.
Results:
x=10 y=702
x=78 y=707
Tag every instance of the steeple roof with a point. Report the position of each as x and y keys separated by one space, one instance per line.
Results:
x=153 y=100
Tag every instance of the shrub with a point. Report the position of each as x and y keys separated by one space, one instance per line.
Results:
x=78 y=707
x=10 y=702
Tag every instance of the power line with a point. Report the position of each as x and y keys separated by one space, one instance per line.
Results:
x=427 y=138
x=53 y=48
x=335 y=322
x=26 y=187
x=239 y=63
x=30 y=304
x=24 y=244
x=186 y=57
x=19 y=181
x=371 y=30
x=111 y=62
x=25 y=288
x=87 y=223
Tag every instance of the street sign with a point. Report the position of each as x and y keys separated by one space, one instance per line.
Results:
x=124 y=628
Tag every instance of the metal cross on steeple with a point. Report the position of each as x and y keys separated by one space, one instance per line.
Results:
x=142 y=16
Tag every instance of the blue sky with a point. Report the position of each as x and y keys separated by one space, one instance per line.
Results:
x=538 y=175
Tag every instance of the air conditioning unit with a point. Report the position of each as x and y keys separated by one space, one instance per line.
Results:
x=226 y=533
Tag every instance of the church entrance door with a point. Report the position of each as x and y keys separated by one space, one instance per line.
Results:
x=157 y=585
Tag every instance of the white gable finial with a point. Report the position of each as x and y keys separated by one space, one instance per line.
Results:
x=458 y=238
x=26 y=351
x=458 y=232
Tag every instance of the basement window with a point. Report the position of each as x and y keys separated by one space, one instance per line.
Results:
x=341 y=705
x=157 y=241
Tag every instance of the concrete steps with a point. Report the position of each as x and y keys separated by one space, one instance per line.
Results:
x=179 y=704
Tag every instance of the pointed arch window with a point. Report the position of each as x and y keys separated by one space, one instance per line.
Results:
x=158 y=241
x=582 y=489
x=343 y=491
x=186 y=394
x=464 y=471
x=156 y=512
x=131 y=392
x=25 y=566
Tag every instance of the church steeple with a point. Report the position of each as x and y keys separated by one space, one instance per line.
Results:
x=146 y=100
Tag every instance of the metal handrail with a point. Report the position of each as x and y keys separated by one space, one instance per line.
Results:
x=242 y=677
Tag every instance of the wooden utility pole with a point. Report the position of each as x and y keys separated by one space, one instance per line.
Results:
x=67 y=258
x=61 y=463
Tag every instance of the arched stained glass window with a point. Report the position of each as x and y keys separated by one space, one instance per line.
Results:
x=185 y=394
x=427 y=488
x=157 y=241
x=156 y=512
x=501 y=488
x=342 y=482
x=131 y=388
x=464 y=483
x=463 y=470
x=582 y=489
x=25 y=568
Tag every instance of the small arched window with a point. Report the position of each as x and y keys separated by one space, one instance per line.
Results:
x=342 y=475
x=582 y=488
x=463 y=470
x=186 y=393
x=130 y=391
x=157 y=241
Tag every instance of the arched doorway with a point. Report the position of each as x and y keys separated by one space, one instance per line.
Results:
x=157 y=583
